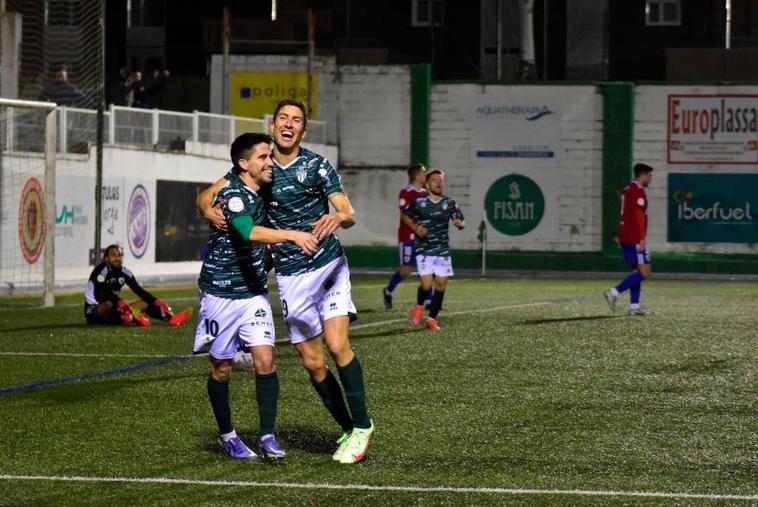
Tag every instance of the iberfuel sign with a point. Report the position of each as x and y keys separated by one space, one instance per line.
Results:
x=713 y=129
x=713 y=208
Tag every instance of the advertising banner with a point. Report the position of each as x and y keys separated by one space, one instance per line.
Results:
x=713 y=129
x=515 y=124
x=255 y=94
x=713 y=208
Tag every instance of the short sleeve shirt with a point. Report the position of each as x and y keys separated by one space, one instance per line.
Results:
x=298 y=197
x=633 y=198
x=407 y=194
x=234 y=267
x=435 y=216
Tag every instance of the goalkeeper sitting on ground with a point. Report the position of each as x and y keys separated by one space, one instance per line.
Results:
x=103 y=304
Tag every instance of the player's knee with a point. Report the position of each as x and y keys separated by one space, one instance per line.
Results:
x=264 y=365
x=221 y=371
x=315 y=366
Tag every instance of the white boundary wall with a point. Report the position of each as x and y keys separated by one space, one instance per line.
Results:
x=570 y=181
x=124 y=170
x=650 y=138
x=367 y=108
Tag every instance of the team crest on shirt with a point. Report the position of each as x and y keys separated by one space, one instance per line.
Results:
x=301 y=174
x=641 y=201
x=236 y=205
x=260 y=312
x=121 y=280
x=444 y=206
x=100 y=278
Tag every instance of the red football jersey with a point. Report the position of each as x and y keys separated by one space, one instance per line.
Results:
x=404 y=233
x=633 y=199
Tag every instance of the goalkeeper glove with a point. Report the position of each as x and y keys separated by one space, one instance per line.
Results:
x=163 y=308
x=126 y=312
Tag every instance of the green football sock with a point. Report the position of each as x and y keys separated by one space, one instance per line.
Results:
x=331 y=395
x=218 y=394
x=267 y=394
x=351 y=376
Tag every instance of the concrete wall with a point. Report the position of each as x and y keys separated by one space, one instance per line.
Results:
x=650 y=146
x=367 y=108
x=126 y=172
x=570 y=180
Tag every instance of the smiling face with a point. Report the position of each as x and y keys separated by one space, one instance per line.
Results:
x=288 y=128
x=259 y=165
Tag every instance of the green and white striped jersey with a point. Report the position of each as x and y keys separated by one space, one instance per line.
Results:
x=297 y=198
x=234 y=267
x=435 y=216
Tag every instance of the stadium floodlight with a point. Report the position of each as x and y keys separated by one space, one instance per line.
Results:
x=28 y=147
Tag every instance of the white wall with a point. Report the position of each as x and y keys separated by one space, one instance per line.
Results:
x=124 y=169
x=570 y=182
x=367 y=108
x=650 y=138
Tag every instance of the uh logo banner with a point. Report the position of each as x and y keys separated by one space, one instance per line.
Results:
x=713 y=208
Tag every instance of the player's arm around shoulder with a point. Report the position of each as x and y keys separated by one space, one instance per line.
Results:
x=214 y=214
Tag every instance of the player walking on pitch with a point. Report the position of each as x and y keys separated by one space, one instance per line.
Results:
x=632 y=233
x=433 y=212
x=234 y=304
x=315 y=290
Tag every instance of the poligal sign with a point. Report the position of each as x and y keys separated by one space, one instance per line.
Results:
x=514 y=205
x=708 y=129
x=713 y=208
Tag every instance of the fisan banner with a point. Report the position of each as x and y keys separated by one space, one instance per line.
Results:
x=713 y=129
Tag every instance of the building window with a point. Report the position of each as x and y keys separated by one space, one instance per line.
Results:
x=663 y=12
x=427 y=13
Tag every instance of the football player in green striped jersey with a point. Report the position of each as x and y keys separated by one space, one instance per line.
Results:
x=315 y=290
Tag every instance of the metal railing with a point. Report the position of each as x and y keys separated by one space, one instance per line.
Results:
x=152 y=128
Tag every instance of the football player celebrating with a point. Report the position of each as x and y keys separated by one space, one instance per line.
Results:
x=234 y=304
x=431 y=215
x=103 y=303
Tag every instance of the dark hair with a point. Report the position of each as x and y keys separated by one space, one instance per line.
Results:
x=292 y=102
x=109 y=248
x=243 y=145
x=414 y=170
x=640 y=169
x=433 y=172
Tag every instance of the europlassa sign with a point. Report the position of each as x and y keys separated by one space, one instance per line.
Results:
x=713 y=208
x=708 y=129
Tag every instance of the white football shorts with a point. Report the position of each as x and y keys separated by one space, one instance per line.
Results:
x=434 y=265
x=311 y=298
x=222 y=323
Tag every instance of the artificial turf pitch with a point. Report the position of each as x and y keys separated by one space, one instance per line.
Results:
x=531 y=393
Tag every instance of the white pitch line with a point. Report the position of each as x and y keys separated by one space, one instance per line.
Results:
x=369 y=487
